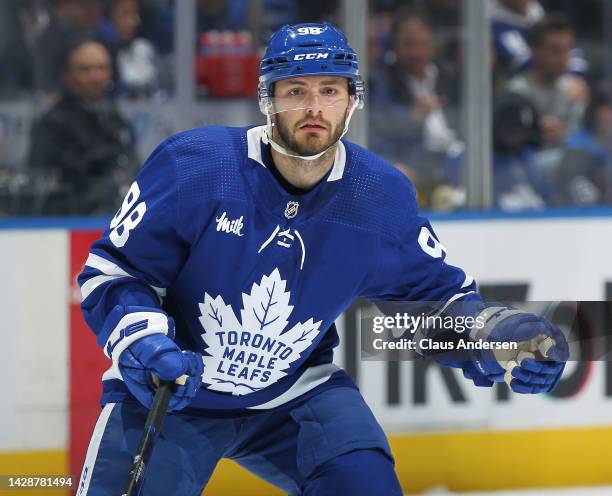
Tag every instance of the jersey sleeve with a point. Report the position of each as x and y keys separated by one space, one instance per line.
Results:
x=411 y=276
x=411 y=266
x=139 y=255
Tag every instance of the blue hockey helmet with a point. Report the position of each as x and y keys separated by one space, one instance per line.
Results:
x=311 y=49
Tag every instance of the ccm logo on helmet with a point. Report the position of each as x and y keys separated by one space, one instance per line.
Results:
x=310 y=56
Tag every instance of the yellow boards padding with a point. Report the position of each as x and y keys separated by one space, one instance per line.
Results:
x=460 y=461
x=35 y=463
x=469 y=461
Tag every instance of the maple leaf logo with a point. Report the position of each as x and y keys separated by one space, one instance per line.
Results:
x=255 y=352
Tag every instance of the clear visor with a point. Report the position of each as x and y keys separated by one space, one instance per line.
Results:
x=307 y=100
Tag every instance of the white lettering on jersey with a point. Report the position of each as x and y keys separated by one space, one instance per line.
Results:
x=435 y=249
x=256 y=351
x=127 y=218
x=310 y=56
x=229 y=226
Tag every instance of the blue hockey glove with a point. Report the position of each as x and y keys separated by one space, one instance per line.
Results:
x=471 y=372
x=142 y=349
x=537 y=362
x=157 y=355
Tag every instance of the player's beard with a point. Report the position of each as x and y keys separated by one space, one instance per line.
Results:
x=311 y=143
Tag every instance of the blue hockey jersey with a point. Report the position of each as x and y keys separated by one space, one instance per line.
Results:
x=254 y=277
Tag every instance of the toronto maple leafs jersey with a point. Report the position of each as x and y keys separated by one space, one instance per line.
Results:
x=253 y=276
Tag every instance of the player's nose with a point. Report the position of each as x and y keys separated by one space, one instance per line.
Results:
x=314 y=104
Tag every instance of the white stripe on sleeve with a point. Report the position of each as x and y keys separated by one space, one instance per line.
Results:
x=467 y=281
x=109 y=268
x=91 y=284
x=109 y=271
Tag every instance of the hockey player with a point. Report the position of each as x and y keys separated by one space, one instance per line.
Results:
x=231 y=257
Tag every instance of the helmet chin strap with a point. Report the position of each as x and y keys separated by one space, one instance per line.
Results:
x=267 y=137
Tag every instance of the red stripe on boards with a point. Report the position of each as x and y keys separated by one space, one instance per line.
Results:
x=87 y=361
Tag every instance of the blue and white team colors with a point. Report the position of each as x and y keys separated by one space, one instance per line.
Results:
x=212 y=271
x=252 y=276
x=208 y=249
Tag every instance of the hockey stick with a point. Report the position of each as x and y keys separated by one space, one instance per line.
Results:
x=152 y=427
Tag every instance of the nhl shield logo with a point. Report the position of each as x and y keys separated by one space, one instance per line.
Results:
x=291 y=209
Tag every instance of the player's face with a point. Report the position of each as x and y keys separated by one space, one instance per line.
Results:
x=310 y=112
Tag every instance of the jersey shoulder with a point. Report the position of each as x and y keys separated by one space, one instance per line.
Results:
x=374 y=195
x=208 y=161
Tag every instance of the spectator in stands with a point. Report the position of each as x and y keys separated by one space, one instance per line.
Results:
x=584 y=177
x=69 y=20
x=82 y=140
x=134 y=58
x=559 y=96
x=409 y=97
x=518 y=183
x=510 y=23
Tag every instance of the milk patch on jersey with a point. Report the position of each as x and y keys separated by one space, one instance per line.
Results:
x=229 y=226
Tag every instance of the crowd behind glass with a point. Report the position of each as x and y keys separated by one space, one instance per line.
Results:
x=77 y=63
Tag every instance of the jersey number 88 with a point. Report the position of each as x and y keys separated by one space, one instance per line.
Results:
x=127 y=218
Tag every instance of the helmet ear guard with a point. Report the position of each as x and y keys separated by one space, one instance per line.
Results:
x=357 y=89
x=264 y=98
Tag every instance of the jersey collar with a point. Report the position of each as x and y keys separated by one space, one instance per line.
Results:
x=272 y=196
x=255 y=137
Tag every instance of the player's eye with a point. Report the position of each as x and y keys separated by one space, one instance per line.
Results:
x=296 y=92
x=330 y=91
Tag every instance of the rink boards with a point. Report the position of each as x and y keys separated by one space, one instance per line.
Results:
x=443 y=430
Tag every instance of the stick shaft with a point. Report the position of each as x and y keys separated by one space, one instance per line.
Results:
x=152 y=426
